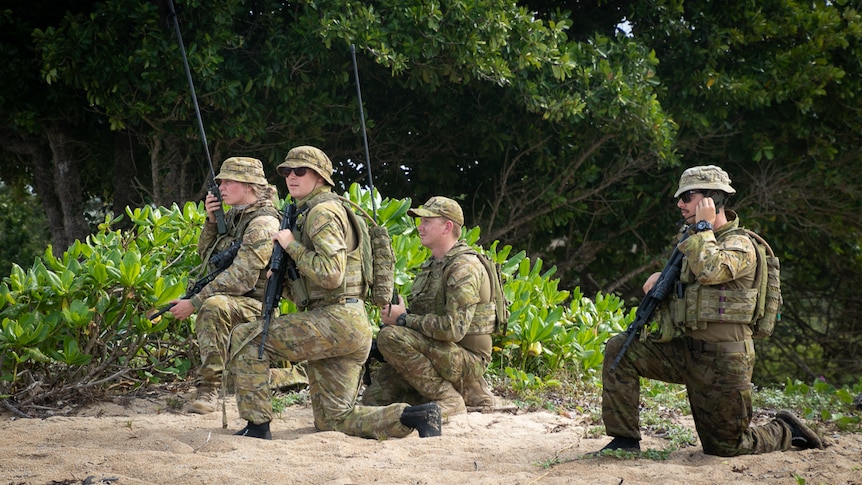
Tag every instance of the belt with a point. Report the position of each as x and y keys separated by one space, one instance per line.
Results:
x=745 y=346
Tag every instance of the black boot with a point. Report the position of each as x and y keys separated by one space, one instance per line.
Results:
x=256 y=431
x=424 y=418
x=625 y=444
x=802 y=436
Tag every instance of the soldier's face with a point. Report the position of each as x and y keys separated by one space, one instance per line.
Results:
x=300 y=186
x=431 y=230
x=687 y=204
x=234 y=193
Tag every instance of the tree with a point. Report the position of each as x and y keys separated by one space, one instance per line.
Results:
x=560 y=132
x=770 y=92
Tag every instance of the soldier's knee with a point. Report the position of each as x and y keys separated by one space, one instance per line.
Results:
x=216 y=302
x=614 y=344
x=388 y=338
x=241 y=333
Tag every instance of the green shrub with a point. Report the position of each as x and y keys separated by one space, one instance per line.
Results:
x=74 y=324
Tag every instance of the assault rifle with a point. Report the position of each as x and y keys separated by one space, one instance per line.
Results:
x=213 y=186
x=220 y=261
x=281 y=264
x=666 y=281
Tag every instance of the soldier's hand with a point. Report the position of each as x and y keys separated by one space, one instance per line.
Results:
x=651 y=281
x=390 y=312
x=705 y=210
x=212 y=204
x=182 y=309
x=283 y=237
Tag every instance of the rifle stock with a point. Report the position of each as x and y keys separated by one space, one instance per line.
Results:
x=669 y=276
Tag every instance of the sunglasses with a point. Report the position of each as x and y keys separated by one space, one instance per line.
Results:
x=685 y=197
x=299 y=171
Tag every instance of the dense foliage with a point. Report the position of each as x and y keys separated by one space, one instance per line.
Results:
x=562 y=127
x=77 y=324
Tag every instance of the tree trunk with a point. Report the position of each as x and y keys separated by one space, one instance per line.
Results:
x=38 y=157
x=125 y=173
x=66 y=189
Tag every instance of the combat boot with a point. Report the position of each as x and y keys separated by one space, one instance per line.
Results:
x=802 y=436
x=477 y=393
x=252 y=430
x=206 y=400
x=624 y=444
x=451 y=403
x=424 y=418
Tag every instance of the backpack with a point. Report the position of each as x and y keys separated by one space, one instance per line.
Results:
x=378 y=266
x=495 y=272
x=495 y=275
x=767 y=280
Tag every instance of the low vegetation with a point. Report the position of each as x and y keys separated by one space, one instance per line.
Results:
x=78 y=326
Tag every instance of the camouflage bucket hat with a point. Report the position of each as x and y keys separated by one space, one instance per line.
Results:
x=242 y=169
x=440 y=207
x=707 y=177
x=311 y=157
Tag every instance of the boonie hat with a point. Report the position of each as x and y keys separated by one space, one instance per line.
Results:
x=242 y=169
x=706 y=177
x=311 y=157
x=440 y=207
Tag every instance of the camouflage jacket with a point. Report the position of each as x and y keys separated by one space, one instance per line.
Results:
x=326 y=251
x=246 y=276
x=719 y=264
x=452 y=316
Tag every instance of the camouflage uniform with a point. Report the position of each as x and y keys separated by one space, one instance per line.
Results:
x=235 y=295
x=444 y=347
x=714 y=358
x=332 y=333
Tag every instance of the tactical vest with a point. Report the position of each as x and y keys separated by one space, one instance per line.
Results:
x=700 y=305
x=429 y=291
x=353 y=285
x=237 y=222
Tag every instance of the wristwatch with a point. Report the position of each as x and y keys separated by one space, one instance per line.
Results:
x=702 y=226
x=401 y=321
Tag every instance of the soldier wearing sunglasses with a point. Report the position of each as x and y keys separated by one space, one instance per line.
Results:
x=331 y=331
x=702 y=337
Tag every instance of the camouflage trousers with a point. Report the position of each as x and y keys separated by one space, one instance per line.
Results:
x=719 y=392
x=335 y=340
x=215 y=319
x=419 y=369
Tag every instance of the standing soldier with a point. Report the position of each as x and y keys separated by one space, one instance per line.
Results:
x=331 y=331
x=705 y=342
x=236 y=294
x=438 y=351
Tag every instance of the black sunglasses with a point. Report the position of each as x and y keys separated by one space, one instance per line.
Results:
x=686 y=196
x=299 y=171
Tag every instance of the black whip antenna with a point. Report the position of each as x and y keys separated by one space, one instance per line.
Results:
x=364 y=135
x=213 y=186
